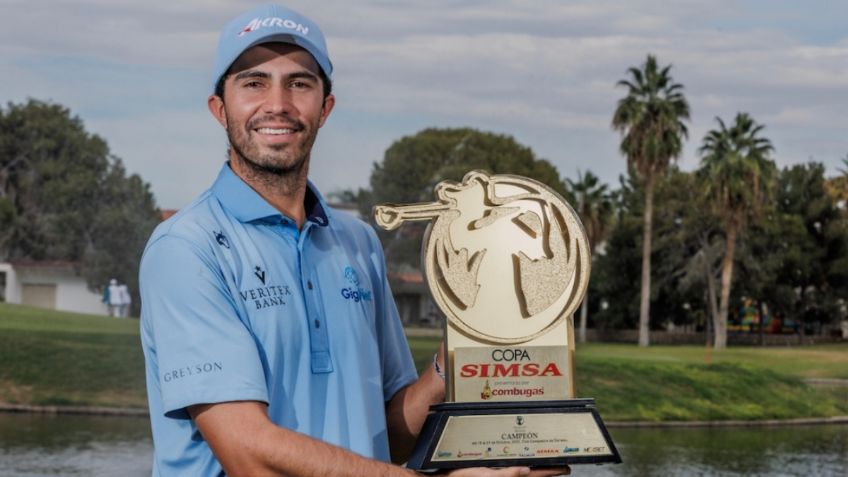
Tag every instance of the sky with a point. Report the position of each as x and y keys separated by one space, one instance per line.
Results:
x=544 y=71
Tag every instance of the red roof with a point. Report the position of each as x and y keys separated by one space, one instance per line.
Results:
x=165 y=214
x=406 y=277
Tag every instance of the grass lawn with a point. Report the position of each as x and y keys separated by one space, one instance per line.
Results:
x=820 y=361
x=61 y=358
x=696 y=383
x=49 y=357
x=688 y=383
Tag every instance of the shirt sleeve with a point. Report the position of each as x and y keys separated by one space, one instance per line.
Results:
x=202 y=351
x=395 y=356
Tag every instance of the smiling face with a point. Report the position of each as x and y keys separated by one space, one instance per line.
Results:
x=272 y=108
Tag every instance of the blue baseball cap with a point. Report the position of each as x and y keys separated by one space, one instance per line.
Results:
x=266 y=24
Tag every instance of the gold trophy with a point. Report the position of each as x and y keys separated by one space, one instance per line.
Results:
x=507 y=261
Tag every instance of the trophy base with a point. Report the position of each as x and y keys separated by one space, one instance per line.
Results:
x=503 y=434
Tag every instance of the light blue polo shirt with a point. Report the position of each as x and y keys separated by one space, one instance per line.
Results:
x=238 y=304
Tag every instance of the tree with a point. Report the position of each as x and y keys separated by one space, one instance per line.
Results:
x=773 y=246
x=684 y=253
x=819 y=273
x=594 y=206
x=739 y=179
x=684 y=230
x=837 y=186
x=50 y=169
x=615 y=273
x=126 y=216
x=795 y=259
x=413 y=165
x=63 y=196
x=650 y=119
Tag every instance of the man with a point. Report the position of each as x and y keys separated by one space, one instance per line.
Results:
x=271 y=341
x=125 y=299
x=112 y=298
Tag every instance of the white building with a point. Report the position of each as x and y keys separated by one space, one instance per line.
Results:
x=55 y=285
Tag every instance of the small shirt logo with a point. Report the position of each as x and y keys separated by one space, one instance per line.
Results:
x=267 y=295
x=221 y=239
x=351 y=276
x=354 y=292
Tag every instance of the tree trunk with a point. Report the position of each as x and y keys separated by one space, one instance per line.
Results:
x=645 y=304
x=799 y=317
x=712 y=305
x=708 y=328
x=726 y=278
x=761 y=309
x=584 y=307
x=584 y=314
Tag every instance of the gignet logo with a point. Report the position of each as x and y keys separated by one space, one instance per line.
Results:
x=355 y=292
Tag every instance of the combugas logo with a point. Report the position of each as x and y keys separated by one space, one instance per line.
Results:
x=487 y=391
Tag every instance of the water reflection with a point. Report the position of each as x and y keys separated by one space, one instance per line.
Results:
x=39 y=445
x=778 y=451
x=33 y=445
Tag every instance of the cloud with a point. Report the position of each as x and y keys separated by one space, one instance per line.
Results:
x=179 y=153
x=543 y=71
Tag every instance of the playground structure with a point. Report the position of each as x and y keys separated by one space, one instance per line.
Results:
x=749 y=316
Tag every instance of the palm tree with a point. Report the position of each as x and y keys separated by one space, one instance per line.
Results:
x=739 y=179
x=650 y=120
x=594 y=205
x=838 y=186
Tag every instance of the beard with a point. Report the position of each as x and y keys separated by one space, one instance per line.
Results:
x=274 y=161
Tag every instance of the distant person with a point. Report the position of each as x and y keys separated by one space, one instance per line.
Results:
x=112 y=298
x=105 y=300
x=257 y=361
x=125 y=300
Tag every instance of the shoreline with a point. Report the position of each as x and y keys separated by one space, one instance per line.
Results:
x=800 y=421
x=74 y=410
x=137 y=412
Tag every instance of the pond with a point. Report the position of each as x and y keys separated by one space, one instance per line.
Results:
x=67 y=445
x=34 y=445
x=731 y=451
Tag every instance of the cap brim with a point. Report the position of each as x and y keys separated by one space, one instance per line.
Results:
x=323 y=62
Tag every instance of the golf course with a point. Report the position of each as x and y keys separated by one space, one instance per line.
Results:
x=50 y=358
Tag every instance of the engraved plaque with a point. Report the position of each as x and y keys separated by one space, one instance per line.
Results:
x=507 y=261
x=516 y=436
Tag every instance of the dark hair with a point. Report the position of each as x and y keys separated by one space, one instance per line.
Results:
x=328 y=85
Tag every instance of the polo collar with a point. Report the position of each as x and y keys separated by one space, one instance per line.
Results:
x=246 y=205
